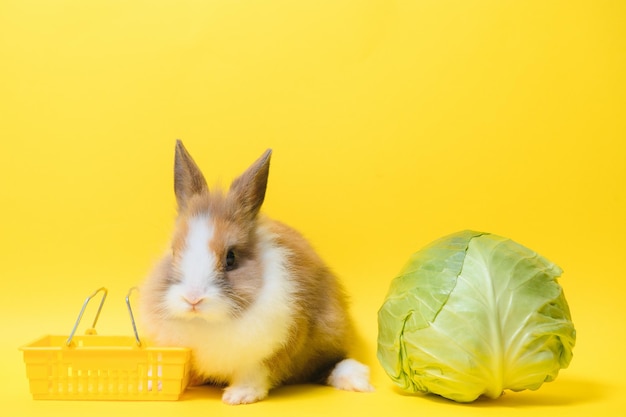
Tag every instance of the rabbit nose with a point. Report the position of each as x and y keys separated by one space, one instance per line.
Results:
x=193 y=301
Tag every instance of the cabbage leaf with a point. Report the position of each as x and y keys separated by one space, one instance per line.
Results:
x=475 y=314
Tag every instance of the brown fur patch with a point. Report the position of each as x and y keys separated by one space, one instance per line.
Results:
x=320 y=335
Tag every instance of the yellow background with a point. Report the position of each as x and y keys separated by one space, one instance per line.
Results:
x=393 y=123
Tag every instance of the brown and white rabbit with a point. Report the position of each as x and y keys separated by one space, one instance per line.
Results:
x=249 y=296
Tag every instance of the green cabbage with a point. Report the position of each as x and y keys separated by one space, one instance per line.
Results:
x=475 y=314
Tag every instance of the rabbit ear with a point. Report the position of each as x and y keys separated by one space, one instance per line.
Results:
x=188 y=179
x=249 y=188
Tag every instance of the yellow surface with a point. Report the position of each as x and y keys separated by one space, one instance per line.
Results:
x=392 y=124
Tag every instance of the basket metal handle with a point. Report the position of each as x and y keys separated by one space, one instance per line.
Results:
x=132 y=317
x=92 y=329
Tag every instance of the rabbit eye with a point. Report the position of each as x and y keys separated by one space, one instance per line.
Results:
x=230 y=260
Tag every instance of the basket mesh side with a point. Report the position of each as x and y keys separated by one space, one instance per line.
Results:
x=135 y=374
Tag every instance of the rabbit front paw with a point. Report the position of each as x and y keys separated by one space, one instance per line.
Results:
x=243 y=394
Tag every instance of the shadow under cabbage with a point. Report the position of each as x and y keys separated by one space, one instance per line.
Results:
x=565 y=391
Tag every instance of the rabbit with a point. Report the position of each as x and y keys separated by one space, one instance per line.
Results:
x=247 y=294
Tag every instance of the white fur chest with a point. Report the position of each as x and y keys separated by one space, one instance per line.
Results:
x=220 y=351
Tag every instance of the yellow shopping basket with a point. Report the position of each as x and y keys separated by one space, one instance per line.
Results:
x=94 y=367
